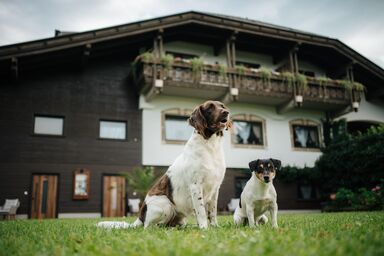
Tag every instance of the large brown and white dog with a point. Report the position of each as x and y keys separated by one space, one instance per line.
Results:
x=191 y=184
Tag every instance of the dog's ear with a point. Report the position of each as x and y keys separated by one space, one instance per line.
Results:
x=253 y=165
x=276 y=163
x=198 y=121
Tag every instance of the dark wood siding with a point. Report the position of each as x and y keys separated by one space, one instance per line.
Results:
x=82 y=97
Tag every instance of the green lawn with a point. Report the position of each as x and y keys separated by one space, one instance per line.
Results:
x=352 y=233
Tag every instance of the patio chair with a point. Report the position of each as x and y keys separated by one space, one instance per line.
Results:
x=233 y=204
x=8 y=210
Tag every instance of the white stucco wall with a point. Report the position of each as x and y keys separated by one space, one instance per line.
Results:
x=372 y=111
x=158 y=153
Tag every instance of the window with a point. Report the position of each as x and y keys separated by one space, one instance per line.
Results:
x=46 y=125
x=307 y=73
x=177 y=128
x=305 y=134
x=175 y=125
x=248 y=130
x=113 y=130
x=184 y=56
x=306 y=191
x=248 y=64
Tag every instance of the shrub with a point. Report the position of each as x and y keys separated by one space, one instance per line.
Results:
x=140 y=180
x=292 y=173
x=363 y=199
x=352 y=161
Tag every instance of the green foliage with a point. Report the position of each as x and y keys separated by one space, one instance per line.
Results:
x=292 y=173
x=197 y=65
x=222 y=70
x=140 y=180
x=358 y=87
x=265 y=75
x=167 y=60
x=362 y=199
x=147 y=57
x=240 y=70
x=323 y=80
x=302 y=82
x=322 y=234
x=352 y=162
x=289 y=78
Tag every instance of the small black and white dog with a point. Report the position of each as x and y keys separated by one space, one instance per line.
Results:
x=259 y=194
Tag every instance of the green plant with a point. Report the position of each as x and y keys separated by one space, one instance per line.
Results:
x=348 y=85
x=361 y=199
x=140 y=180
x=265 y=75
x=147 y=57
x=352 y=161
x=302 y=83
x=292 y=173
x=167 y=60
x=222 y=70
x=197 y=65
x=358 y=87
x=288 y=78
x=240 y=70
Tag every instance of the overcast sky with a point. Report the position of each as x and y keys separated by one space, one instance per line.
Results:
x=358 y=23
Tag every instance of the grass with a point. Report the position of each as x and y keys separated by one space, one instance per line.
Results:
x=351 y=233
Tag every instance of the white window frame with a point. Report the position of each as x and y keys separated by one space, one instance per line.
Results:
x=249 y=118
x=309 y=123
x=177 y=113
x=44 y=125
x=106 y=137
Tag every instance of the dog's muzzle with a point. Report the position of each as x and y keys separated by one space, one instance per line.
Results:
x=266 y=179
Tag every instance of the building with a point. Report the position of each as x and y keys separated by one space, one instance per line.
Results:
x=79 y=109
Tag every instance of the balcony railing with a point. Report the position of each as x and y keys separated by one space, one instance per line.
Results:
x=251 y=85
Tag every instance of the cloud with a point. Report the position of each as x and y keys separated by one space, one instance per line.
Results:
x=355 y=22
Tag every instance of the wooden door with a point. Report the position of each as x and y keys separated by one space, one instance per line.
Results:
x=44 y=196
x=113 y=196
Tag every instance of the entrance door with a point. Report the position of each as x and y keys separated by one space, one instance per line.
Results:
x=44 y=196
x=113 y=196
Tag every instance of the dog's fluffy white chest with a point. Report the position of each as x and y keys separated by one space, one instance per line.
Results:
x=202 y=162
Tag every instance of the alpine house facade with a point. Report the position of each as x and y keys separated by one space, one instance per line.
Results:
x=79 y=109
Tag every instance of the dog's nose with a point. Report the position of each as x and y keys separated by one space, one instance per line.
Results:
x=266 y=178
x=225 y=112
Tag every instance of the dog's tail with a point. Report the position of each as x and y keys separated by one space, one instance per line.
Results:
x=122 y=224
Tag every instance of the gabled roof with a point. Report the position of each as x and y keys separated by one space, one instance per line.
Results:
x=240 y=25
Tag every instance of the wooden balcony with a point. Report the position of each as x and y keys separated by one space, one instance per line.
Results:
x=179 y=79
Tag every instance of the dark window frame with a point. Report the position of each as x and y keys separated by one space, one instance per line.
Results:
x=33 y=133
x=113 y=121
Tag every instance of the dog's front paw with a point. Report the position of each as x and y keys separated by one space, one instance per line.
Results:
x=214 y=224
x=275 y=226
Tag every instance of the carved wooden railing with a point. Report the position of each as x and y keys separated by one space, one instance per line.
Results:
x=181 y=74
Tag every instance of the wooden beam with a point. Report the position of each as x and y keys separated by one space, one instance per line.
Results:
x=14 y=68
x=86 y=54
x=285 y=107
x=342 y=70
x=230 y=96
x=156 y=89
x=341 y=112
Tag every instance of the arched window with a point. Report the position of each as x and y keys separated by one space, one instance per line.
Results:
x=175 y=125
x=248 y=130
x=305 y=134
